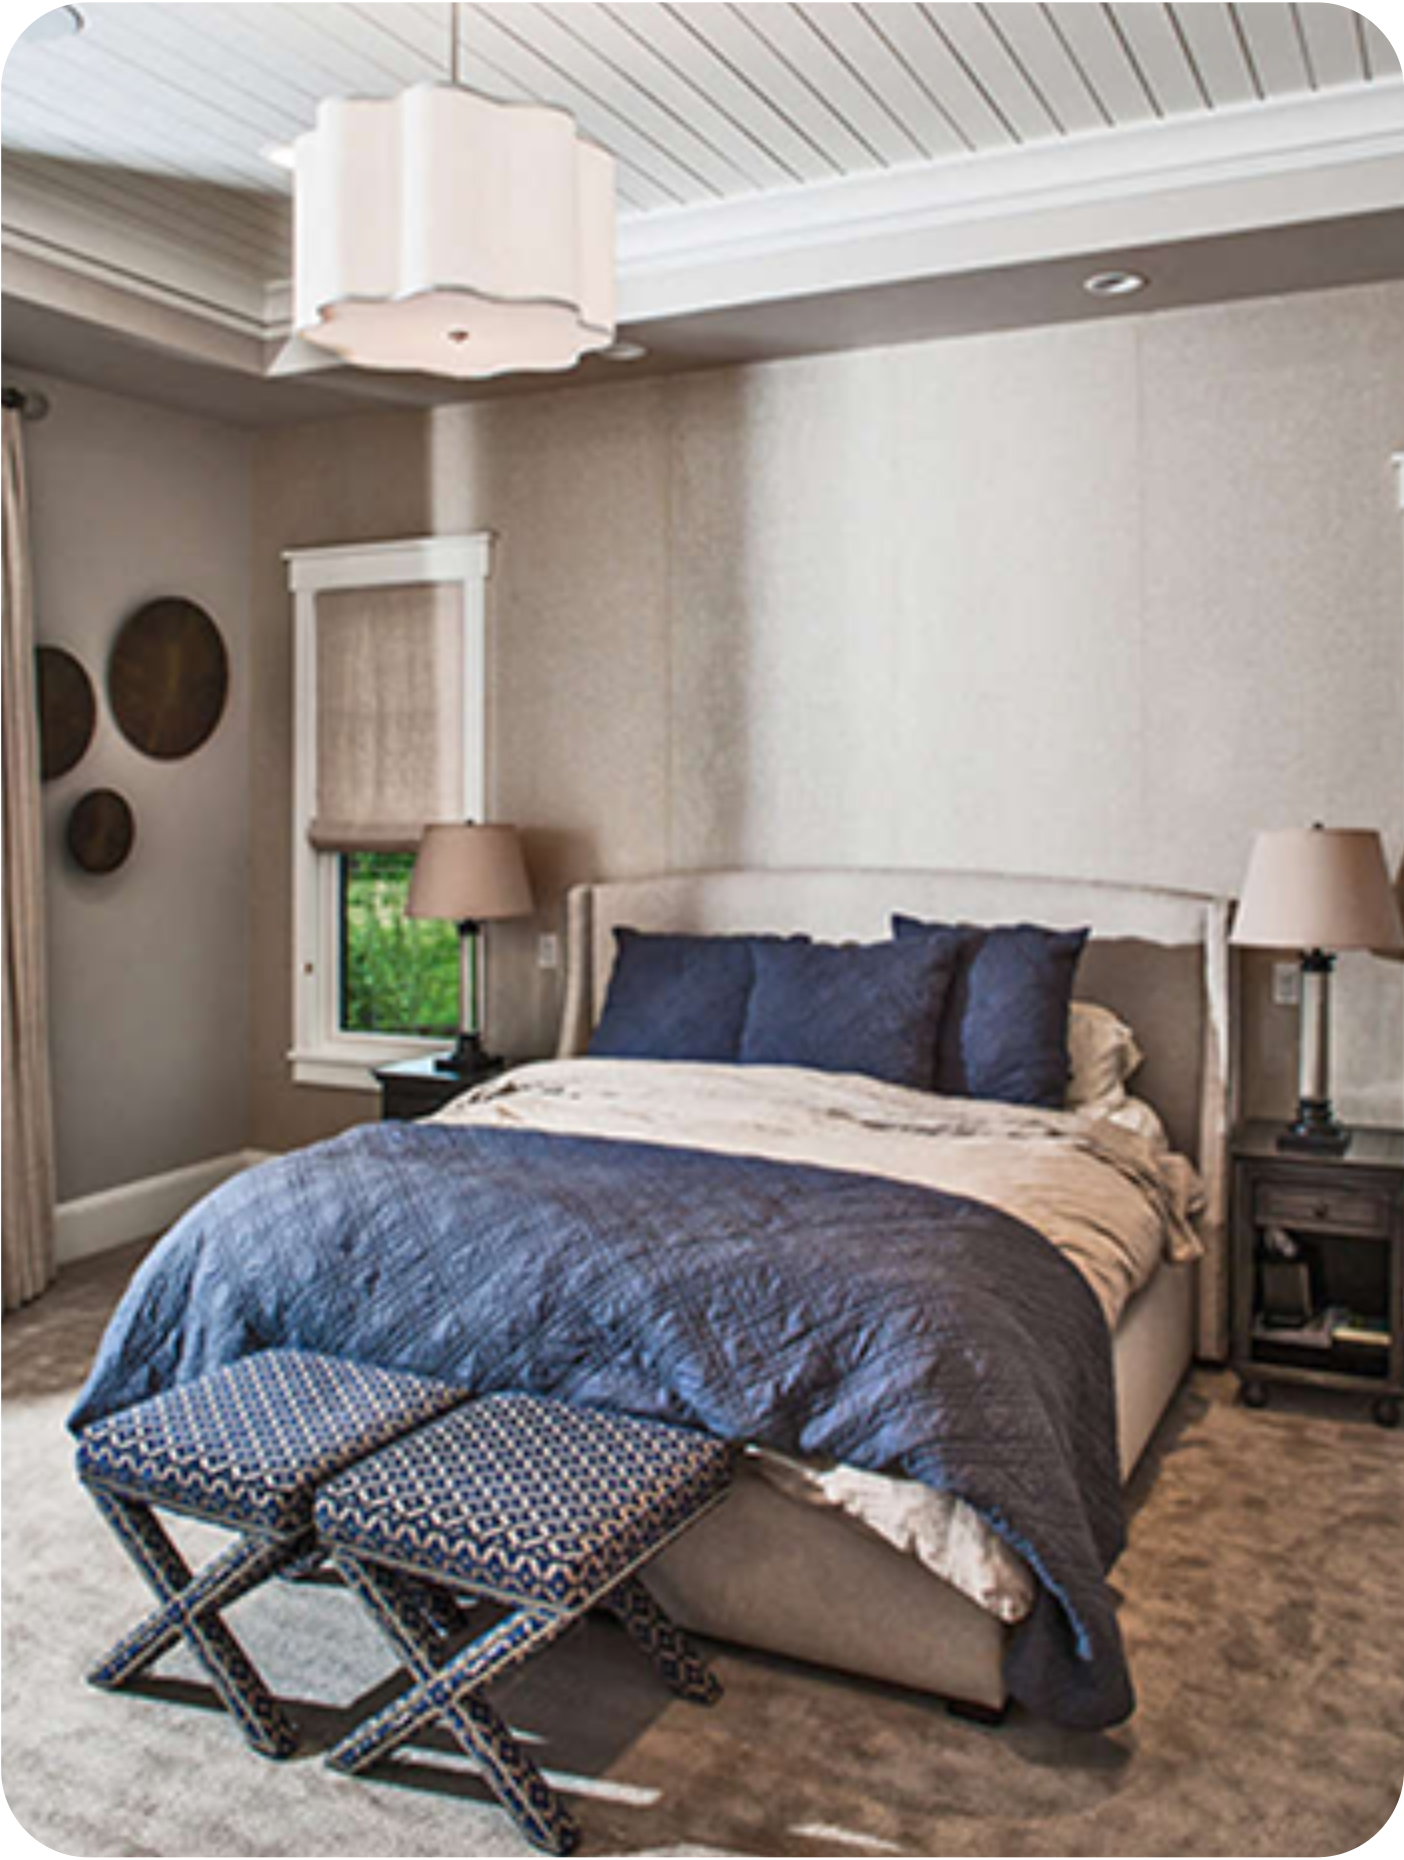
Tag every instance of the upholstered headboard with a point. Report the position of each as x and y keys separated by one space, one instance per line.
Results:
x=1159 y=958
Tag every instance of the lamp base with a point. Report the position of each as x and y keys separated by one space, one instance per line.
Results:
x=469 y=1060
x=1317 y=1130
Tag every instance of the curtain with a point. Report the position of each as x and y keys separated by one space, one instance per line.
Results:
x=389 y=724
x=28 y=1186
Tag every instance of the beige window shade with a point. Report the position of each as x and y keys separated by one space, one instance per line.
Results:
x=390 y=721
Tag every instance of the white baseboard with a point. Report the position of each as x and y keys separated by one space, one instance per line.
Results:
x=112 y=1217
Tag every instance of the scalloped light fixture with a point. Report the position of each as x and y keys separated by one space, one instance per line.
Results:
x=445 y=232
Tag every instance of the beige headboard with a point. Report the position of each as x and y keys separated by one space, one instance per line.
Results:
x=1159 y=958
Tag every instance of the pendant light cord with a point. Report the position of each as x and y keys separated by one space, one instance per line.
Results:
x=453 y=42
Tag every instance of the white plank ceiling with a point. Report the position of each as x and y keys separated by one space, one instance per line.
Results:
x=162 y=116
x=698 y=99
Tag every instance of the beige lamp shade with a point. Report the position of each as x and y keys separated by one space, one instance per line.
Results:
x=470 y=874
x=1323 y=888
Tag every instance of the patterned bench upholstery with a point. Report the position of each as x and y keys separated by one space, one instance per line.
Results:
x=245 y=1447
x=548 y=1508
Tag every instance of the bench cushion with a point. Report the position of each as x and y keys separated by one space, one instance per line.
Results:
x=527 y=1500
x=249 y=1444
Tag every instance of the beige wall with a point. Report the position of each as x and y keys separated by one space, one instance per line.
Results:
x=149 y=967
x=1097 y=600
x=357 y=480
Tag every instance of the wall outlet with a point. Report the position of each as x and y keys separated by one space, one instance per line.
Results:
x=548 y=952
x=1286 y=984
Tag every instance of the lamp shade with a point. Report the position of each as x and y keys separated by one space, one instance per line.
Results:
x=1321 y=888
x=470 y=874
x=443 y=231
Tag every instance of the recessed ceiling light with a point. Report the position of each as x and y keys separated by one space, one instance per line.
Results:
x=624 y=352
x=1114 y=283
x=281 y=154
x=60 y=22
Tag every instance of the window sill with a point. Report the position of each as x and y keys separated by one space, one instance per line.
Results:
x=352 y=1068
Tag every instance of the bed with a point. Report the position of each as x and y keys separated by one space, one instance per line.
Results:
x=774 y=1572
x=848 y=1315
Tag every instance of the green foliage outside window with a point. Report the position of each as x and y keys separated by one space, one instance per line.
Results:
x=398 y=974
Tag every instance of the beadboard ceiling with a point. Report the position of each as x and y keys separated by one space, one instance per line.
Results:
x=766 y=151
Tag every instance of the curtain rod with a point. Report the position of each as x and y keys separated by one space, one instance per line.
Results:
x=29 y=405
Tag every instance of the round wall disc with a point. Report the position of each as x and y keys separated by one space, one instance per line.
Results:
x=67 y=711
x=101 y=831
x=168 y=678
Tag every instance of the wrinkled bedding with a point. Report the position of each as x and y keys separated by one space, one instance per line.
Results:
x=1113 y=1201
x=1106 y=1192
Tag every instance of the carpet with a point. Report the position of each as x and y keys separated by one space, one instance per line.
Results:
x=1264 y=1615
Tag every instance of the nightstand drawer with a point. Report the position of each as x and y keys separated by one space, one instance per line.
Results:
x=1334 y=1209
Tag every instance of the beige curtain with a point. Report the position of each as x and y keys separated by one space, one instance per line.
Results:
x=389 y=715
x=28 y=1187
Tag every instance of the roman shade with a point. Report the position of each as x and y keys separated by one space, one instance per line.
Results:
x=389 y=715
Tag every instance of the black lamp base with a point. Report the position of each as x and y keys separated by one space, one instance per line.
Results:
x=469 y=1060
x=1317 y=1130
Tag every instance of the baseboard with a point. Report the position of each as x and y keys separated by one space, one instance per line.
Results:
x=114 y=1216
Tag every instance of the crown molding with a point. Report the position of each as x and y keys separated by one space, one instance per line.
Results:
x=1262 y=164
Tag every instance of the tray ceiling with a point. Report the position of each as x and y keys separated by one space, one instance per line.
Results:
x=137 y=151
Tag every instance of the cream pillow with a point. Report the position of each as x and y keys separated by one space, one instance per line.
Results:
x=1102 y=1055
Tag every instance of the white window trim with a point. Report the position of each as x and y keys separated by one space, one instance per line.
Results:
x=321 y=1053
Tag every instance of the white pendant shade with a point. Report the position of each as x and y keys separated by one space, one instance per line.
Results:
x=444 y=232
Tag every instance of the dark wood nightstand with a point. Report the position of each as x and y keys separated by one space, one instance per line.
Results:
x=1337 y=1224
x=411 y=1088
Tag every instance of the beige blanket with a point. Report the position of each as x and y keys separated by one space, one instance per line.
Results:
x=1115 y=1201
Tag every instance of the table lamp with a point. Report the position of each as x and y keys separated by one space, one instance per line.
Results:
x=1317 y=890
x=471 y=875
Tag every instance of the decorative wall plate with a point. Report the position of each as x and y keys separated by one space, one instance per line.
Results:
x=168 y=678
x=101 y=831
x=67 y=711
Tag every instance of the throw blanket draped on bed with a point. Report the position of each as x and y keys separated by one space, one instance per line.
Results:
x=886 y=1325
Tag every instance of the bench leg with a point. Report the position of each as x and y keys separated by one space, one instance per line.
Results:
x=188 y=1609
x=452 y=1694
x=679 y=1664
x=428 y=1614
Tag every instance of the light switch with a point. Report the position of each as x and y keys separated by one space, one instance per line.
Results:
x=1286 y=984
x=548 y=952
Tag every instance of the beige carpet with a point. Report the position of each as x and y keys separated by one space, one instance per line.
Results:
x=1264 y=1614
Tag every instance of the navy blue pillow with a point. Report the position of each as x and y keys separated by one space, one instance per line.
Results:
x=675 y=997
x=849 y=1007
x=1004 y=1035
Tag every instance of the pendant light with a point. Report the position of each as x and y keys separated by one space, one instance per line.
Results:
x=445 y=232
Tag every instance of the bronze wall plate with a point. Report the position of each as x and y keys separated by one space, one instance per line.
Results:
x=168 y=678
x=67 y=711
x=101 y=831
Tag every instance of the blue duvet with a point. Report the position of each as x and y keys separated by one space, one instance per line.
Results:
x=814 y=1311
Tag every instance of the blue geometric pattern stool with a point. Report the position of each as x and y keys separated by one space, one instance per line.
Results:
x=245 y=1447
x=548 y=1508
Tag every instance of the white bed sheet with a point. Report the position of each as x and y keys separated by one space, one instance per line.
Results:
x=1114 y=1200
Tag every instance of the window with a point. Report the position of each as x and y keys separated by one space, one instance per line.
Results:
x=398 y=974
x=389 y=727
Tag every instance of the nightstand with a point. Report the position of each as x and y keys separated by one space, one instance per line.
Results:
x=413 y=1088
x=1323 y=1234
